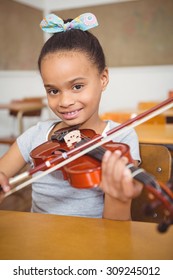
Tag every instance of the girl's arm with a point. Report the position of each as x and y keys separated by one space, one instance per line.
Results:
x=118 y=186
x=10 y=164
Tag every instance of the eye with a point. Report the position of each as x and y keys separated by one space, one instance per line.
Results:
x=52 y=91
x=78 y=87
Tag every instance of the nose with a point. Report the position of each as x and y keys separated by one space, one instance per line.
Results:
x=66 y=100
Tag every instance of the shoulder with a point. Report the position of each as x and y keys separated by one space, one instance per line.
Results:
x=122 y=134
x=42 y=128
x=34 y=136
x=44 y=125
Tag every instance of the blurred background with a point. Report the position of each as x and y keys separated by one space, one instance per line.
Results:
x=137 y=38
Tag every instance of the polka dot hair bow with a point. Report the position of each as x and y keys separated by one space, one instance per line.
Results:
x=53 y=24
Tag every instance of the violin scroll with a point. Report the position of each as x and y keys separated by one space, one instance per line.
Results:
x=160 y=198
x=155 y=203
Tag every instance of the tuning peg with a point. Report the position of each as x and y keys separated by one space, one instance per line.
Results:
x=150 y=207
x=164 y=225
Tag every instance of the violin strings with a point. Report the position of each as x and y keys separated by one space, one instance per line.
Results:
x=100 y=149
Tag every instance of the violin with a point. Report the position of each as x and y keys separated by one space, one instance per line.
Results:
x=85 y=171
x=79 y=153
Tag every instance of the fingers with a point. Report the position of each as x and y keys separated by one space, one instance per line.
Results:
x=117 y=180
x=4 y=186
x=113 y=165
x=131 y=187
x=4 y=183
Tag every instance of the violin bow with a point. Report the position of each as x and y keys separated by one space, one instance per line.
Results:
x=85 y=148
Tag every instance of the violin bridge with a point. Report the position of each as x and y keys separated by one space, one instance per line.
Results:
x=72 y=137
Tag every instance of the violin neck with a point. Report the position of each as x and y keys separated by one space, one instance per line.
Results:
x=97 y=153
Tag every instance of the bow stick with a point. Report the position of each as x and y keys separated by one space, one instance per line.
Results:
x=85 y=148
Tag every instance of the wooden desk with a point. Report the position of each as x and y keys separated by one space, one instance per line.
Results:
x=42 y=236
x=20 y=108
x=155 y=134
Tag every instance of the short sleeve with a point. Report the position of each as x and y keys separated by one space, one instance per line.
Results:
x=25 y=143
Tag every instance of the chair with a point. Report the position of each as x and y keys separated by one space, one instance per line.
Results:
x=30 y=111
x=169 y=119
x=156 y=160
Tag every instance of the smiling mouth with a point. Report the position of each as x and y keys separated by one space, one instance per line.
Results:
x=70 y=115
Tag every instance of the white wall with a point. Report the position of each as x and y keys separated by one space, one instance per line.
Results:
x=127 y=86
x=18 y=84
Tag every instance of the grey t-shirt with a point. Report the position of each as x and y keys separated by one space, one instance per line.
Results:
x=51 y=193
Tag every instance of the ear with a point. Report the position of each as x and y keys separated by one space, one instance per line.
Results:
x=104 y=78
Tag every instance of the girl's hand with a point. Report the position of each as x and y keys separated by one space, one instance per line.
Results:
x=4 y=185
x=117 y=181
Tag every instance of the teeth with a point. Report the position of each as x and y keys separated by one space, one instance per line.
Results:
x=71 y=113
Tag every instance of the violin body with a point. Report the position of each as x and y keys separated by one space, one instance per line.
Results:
x=85 y=171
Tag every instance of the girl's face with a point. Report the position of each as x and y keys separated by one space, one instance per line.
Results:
x=74 y=86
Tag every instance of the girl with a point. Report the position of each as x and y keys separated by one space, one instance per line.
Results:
x=73 y=69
